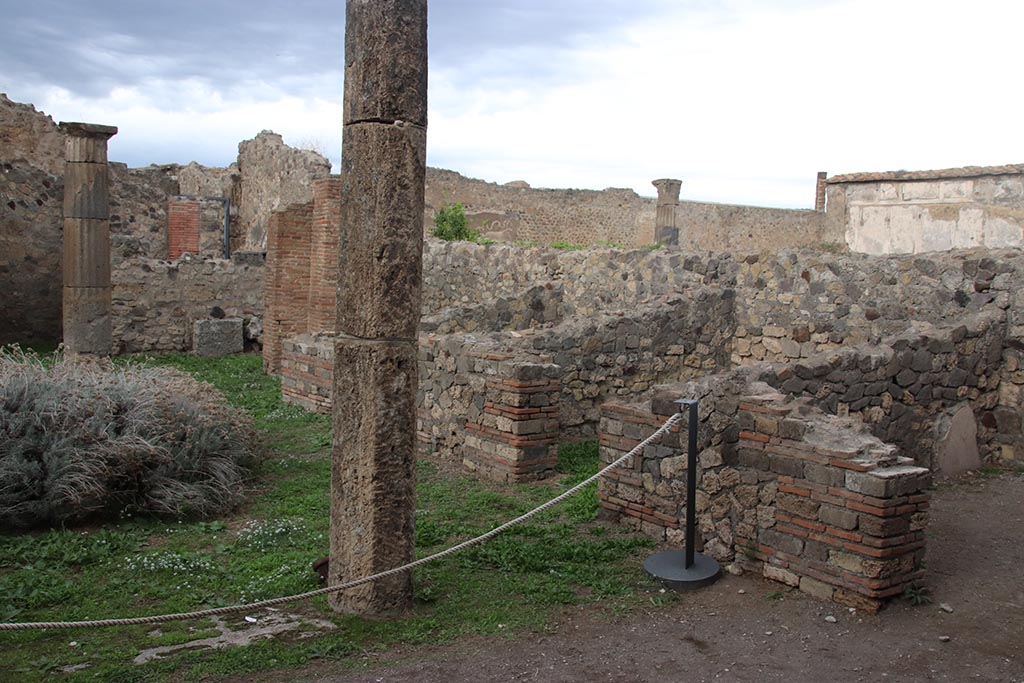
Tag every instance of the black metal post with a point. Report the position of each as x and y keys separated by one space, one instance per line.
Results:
x=689 y=569
x=691 y=481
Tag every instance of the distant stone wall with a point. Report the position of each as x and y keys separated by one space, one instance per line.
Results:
x=515 y=212
x=155 y=303
x=273 y=176
x=750 y=229
x=924 y=211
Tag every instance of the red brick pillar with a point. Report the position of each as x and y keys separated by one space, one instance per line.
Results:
x=286 y=288
x=182 y=227
x=323 y=254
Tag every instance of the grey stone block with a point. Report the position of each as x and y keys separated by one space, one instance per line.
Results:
x=217 y=337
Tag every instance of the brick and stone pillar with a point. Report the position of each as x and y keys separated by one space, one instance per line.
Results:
x=383 y=165
x=87 y=288
x=665 y=229
x=819 y=191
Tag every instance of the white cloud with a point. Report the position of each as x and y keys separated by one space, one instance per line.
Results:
x=744 y=100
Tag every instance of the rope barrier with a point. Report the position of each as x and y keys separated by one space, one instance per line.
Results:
x=233 y=609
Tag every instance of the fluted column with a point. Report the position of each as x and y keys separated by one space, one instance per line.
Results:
x=86 y=305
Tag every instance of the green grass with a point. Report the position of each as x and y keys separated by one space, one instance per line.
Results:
x=519 y=581
x=568 y=246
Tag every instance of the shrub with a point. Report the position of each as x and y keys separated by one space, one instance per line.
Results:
x=82 y=439
x=450 y=224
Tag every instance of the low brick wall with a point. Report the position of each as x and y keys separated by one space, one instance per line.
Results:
x=803 y=497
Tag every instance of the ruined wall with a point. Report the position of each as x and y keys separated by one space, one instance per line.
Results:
x=796 y=304
x=273 y=176
x=156 y=302
x=805 y=498
x=516 y=212
x=138 y=210
x=30 y=137
x=924 y=211
x=592 y=280
x=743 y=229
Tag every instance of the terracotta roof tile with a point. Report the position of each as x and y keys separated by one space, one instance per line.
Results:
x=964 y=172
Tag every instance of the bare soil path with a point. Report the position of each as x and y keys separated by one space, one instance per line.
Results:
x=739 y=629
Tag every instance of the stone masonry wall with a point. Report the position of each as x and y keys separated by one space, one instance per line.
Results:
x=705 y=226
x=156 y=302
x=516 y=212
x=900 y=387
x=805 y=498
x=924 y=211
x=31 y=253
x=30 y=137
x=273 y=176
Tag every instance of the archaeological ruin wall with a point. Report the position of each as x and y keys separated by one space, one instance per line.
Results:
x=923 y=211
x=517 y=213
x=803 y=497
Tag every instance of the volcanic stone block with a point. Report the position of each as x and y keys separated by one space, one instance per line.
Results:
x=373 y=477
x=214 y=337
x=380 y=270
x=956 y=443
x=385 y=67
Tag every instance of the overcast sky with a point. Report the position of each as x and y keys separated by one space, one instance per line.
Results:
x=744 y=100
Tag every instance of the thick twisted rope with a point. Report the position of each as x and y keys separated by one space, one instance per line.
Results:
x=233 y=609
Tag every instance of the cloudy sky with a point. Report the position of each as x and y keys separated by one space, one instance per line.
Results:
x=745 y=100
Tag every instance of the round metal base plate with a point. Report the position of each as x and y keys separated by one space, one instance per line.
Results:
x=670 y=568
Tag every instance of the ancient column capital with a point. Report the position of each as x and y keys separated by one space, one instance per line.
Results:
x=87 y=130
x=668 y=190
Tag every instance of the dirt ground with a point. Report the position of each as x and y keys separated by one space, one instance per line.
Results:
x=735 y=630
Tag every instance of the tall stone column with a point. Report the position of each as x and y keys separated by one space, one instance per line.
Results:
x=383 y=166
x=86 y=239
x=665 y=229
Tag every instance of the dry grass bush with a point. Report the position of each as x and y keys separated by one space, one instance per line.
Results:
x=81 y=440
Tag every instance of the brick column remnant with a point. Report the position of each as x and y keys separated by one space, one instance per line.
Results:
x=87 y=290
x=383 y=166
x=666 y=231
x=819 y=191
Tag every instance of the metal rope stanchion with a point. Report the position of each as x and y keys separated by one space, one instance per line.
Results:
x=686 y=570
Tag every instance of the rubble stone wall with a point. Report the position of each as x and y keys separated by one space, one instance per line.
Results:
x=31 y=253
x=516 y=212
x=273 y=176
x=155 y=303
